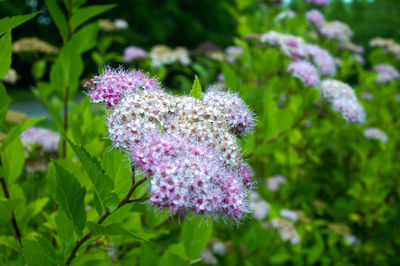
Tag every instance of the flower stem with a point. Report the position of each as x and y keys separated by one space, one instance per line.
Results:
x=13 y=220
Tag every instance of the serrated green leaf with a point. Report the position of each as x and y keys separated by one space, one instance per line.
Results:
x=196 y=233
x=58 y=17
x=47 y=247
x=196 y=89
x=112 y=230
x=31 y=210
x=35 y=254
x=103 y=185
x=17 y=130
x=70 y=195
x=8 y=23
x=65 y=232
x=5 y=54
x=85 y=13
x=13 y=160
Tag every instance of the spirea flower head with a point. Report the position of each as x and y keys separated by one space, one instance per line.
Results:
x=287 y=231
x=344 y=100
x=375 y=133
x=45 y=138
x=195 y=163
x=288 y=214
x=315 y=17
x=274 y=183
x=290 y=45
x=121 y=24
x=319 y=2
x=232 y=52
x=322 y=59
x=388 y=45
x=237 y=114
x=164 y=55
x=133 y=52
x=113 y=84
x=304 y=71
x=336 y=30
x=260 y=209
x=11 y=76
x=33 y=45
x=386 y=73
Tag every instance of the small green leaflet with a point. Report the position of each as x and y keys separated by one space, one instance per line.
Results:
x=196 y=89
x=196 y=232
x=112 y=230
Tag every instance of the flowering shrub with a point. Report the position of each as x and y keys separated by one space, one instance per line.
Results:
x=289 y=156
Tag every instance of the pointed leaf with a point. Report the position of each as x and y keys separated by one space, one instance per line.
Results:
x=58 y=17
x=8 y=23
x=17 y=130
x=86 y=38
x=70 y=195
x=83 y=14
x=4 y=101
x=112 y=230
x=13 y=160
x=5 y=54
x=103 y=185
x=196 y=232
x=35 y=254
x=196 y=89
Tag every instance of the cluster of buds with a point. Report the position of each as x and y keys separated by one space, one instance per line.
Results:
x=133 y=52
x=375 y=133
x=344 y=100
x=388 y=45
x=163 y=55
x=305 y=57
x=187 y=146
x=33 y=45
x=386 y=73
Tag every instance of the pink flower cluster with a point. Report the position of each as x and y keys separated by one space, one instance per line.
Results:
x=315 y=17
x=113 y=84
x=344 y=100
x=188 y=147
x=319 y=2
x=45 y=138
x=386 y=73
x=133 y=52
x=304 y=71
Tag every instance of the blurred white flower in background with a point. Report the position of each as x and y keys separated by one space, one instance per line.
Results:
x=376 y=133
x=288 y=214
x=275 y=182
x=121 y=24
x=260 y=209
x=11 y=76
x=218 y=248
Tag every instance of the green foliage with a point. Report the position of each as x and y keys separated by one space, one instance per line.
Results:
x=196 y=89
x=105 y=199
x=85 y=13
x=59 y=18
x=70 y=196
x=13 y=160
x=5 y=53
x=8 y=23
x=196 y=233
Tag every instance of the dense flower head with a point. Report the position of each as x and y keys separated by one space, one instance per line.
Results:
x=133 y=52
x=386 y=73
x=348 y=45
x=260 y=209
x=164 y=55
x=45 y=138
x=275 y=182
x=322 y=59
x=238 y=116
x=33 y=45
x=290 y=45
x=319 y=2
x=344 y=100
x=287 y=231
x=376 y=133
x=188 y=146
x=304 y=71
x=388 y=45
x=113 y=84
x=336 y=30
x=315 y=17
x=288 y=214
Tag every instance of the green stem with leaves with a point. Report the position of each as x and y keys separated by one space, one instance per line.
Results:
x=125 y=200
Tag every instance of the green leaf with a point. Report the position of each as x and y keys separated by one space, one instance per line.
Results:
x=31 y=210
x=11 y=242
x=103 y=185
x=8 y=23
x=65 y=232
x=35 y=254
x=17 y=130
x=85 y=13
x=13 y=160
x=70 y=195
x=231 y=78
x=66 y=70
x=47 y=247
x=196 y=89
x=196 y=233
x=39 y=69
x=4 y=101
x=58 y=17
x=86 y=38
x=5 y=54
x=315 y=251
x=112 y=230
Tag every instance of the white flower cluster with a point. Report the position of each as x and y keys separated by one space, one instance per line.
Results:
x=344 y=100
x=274 y=183
x=164 y=55
x=10 y=77
x=388 y=45
x=286 y=230
x=336 y=30
x=259 y=206
x=376 y=133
